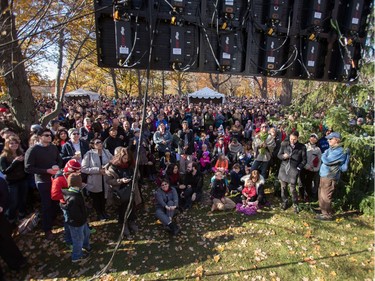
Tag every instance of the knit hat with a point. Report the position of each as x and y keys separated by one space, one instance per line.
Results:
x=71 y=131
x=75 y=180
x=72 y=166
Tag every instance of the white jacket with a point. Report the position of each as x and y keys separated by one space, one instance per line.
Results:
x=91 y=166
x=312 y=151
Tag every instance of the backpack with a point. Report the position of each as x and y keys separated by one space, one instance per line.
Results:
x=29 y=223
x=345 y=164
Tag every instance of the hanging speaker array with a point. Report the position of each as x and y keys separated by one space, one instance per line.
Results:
x=297 y=39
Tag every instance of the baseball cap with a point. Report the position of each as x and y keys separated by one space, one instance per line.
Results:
x=333 y=135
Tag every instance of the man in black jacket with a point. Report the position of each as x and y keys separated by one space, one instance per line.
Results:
x=43 y=160
x=75 y=148
x=194 y=182
x=293 y=159
x=185 y=146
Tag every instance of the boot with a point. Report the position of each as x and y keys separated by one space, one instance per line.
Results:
x=174 y=229
x=133 y=226
x=127 y=234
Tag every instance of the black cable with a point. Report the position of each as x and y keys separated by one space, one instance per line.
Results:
x=145 y=100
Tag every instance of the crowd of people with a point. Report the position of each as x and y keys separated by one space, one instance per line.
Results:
x=93 y=146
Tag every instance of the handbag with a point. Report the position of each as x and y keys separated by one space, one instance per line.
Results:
x=122 y=194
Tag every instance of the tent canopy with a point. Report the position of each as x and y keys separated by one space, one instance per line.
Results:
x=206 y=95
x=82 y=94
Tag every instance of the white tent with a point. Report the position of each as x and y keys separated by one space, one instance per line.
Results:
x=82 y=94
x=206 y=95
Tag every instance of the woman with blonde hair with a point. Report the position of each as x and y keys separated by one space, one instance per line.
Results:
x=12 y=166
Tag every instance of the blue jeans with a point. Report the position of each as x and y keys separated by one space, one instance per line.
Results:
x=81 y=239
x=17 y=199
x=164 y=215
x=67 y=235
x=49 y=206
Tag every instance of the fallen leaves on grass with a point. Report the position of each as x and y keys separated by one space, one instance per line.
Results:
x=199 y=271
x=260 y=255
x=217 y=258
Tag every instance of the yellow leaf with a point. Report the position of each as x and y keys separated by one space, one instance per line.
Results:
x=220 y=248
x=308 y=234
x=217 y=258
x=333 y=273
x=199 y=271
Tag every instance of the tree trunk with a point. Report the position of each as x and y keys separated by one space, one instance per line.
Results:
x=179 y=84
x=262 y=87
x=114 y=82
x=21 y=100
x=139 y=83
x=286 y=92
x=162 y=84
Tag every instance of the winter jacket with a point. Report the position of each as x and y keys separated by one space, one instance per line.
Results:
x=219 y=188
x=221 y=164
x=235 y=148
x=332 y=160
x=159 y=138
x=259 y=185
x=266 y=154
x=114 y=181
x=91 y=165
x=314 y=156
x=235 y=180
x=14 y=170
x=162 y=197
x=290 y=167
x=68 y=151
x=111 y=143
x=190 y=142
x=75 y=207
x=204 y=161
x=195 y=181
x=59 y=182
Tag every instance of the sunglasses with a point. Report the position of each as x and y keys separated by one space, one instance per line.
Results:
x=46 y=135
x=164 y=184
x=98 y=142
x=75 y=134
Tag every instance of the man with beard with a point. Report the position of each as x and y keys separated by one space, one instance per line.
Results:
x=194 y=185
x=185 y=146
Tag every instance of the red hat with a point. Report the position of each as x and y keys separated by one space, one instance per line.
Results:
x=72 y=166
x=257 y=130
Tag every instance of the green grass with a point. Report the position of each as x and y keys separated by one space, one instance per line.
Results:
x=272 y=245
